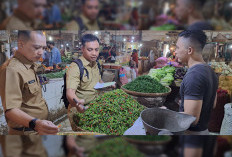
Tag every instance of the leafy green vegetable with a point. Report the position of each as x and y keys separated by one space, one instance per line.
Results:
x=55 y=75
x=112 y=113
x=163 y=75
x=116 y=147
x=146 y=84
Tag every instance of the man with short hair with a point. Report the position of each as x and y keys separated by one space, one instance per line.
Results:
x=55 y=54
x=199 y=86
x=83 y=89
x=25 y=15
x=190 y=12
x=88 y=18
x=26 y=111
x=21 y=93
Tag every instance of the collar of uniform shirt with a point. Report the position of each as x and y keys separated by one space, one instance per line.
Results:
x=23 y=17
x=24 y=60
x=86 y=63
x=86 y=20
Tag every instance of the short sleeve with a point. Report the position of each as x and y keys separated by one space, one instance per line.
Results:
x=73 y=77
x=13 y=89
x=194 y=87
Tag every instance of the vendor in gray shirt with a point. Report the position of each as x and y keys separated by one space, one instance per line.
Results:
x=199 y=86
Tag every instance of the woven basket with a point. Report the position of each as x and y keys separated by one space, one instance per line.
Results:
x=139 y=94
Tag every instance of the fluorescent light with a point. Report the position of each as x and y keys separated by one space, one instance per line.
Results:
x=50 y=38
x=96 y=32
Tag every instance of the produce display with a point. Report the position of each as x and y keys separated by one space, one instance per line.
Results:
x=149 y=138
x=179 y=73
x=146 y=84
x=163 y=75
x=55 y=74
x=111 y=113
x=221 y=67
x=225 y=82
x=115 y=147
x=66 y=59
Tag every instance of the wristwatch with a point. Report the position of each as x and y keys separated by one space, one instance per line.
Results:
x=32 y=123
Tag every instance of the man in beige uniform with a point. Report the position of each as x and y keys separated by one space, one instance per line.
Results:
x=25 y=15
x=83 y=90
x=88 y=18
x=25 y=109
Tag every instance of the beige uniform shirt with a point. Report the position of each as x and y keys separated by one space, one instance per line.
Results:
x=73 y=25
x=85 y=88
x=18 y=21
x=20 y=88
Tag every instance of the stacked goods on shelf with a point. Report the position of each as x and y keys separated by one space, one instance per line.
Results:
x=163 y=75
x=112 y=113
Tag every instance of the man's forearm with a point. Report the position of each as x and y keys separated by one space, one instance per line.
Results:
x=18 y=116
x=70 y=96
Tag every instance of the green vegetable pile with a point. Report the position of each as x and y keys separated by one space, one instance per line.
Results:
x=149 y=138
x=163 y=75
x=146 y=84
x=66 y=59
x=112 y=113
x=116 y=147
x=56 y=74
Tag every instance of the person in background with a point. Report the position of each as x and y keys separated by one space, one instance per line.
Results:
x=25 y=15
x=47 y=56
x=112 y=54
x=190 y=12
x=55 y=53
x=104 y=54
x=135 y=57
x=3 y=58
x=199 y=86
x=52 y=15
x=88 y=19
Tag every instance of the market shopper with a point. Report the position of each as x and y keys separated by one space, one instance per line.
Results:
x=198 y=88
x=88 y=18
x=25 y=15
x=55 y=54
x=135 y=57
x=25 y=109
x=190 y=12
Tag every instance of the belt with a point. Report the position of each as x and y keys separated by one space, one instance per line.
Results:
x=23 y=129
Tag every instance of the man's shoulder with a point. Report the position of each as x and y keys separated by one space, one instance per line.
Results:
x=15 y=64
x=14 y=23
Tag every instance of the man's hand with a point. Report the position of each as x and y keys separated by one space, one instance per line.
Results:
x=79 y=151
x=80 y=106
x=44 y=127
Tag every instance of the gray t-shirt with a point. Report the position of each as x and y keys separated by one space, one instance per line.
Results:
x=199 y=83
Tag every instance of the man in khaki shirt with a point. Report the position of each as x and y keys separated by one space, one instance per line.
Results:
x=25 y=15
x=21 y=91
x=83 y=90
x=25 y=109
x=88 y=18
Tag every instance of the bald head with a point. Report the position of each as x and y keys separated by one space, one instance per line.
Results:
x=33 y=9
